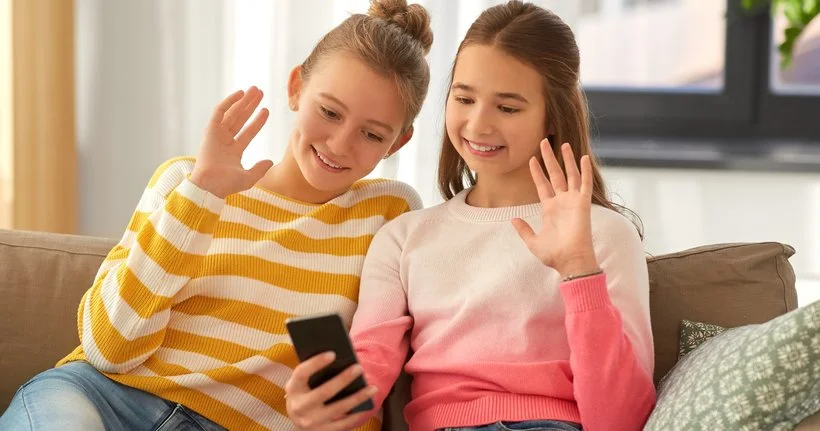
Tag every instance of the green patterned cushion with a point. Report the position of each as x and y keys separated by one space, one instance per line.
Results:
x=693 y=334
x=755 y=377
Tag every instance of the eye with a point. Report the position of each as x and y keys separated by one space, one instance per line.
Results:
x=463 y=100
x=372 y=136
x=508 y=109
x=329 y=114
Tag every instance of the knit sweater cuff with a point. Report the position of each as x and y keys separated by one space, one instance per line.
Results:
x=585 y=294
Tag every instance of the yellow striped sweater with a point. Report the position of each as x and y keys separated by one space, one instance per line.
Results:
x=191 y=304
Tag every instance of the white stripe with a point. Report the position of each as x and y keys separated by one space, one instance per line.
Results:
x=180 y=235
x=150 y=201
x=272 y=251
x=238 y=399
x=93 y=353
x=267 y=295
x=232 y=396
x=200 y=197
x=207 y=326
x=274 y=372
x=308 y=226
x=153 y=276
x=127 y=322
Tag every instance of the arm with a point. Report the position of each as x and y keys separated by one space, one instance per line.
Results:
x=123 y=316
x=610 y=338
x=607 y=315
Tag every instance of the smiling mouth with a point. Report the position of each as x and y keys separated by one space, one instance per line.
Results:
x=482 y=147
x=326 y=161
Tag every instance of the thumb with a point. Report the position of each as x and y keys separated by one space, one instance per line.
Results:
x=259 y=170
x=524 y=230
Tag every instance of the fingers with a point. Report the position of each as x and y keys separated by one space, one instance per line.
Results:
x=524 y=230
x=573 y=176
x=556 y=174
x=248 y=133
x=543 y=186
x=349 y=422
x=333 y=386
x=340 y=408
x=223 y=106
x=299 y=379
x=586 y=176
x=239 y=113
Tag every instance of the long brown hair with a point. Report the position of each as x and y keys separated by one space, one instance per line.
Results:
x=393 y=39
x=540 y=39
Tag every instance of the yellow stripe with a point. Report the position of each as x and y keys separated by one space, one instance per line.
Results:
x=239 y=312
x=297 y=241
x=112 y=345
x=284 y=276
x=163 y=368
x=117 y=253
x=329 y=213
x=190 y=214
x=228 y=416
x=259 y=388
x=227 y=351
x=138 y=220
x=166 y=255
x=144 y=302
x=164 y=167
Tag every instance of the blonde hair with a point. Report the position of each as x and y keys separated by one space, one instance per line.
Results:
x=393 y=39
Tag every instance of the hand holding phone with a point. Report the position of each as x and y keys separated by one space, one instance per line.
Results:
x=315 y=335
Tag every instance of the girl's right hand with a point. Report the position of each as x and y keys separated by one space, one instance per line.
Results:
x=307 y=408
x=218 y=167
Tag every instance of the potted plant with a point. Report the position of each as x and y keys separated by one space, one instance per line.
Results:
x=798 y=14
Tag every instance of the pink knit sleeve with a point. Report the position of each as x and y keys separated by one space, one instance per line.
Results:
x=381 y=323
x=610 y=335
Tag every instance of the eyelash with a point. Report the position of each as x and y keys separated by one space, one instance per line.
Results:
x=504 y=109
x=333 y=116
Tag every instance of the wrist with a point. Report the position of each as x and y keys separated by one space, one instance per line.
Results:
x=576 y=268
x=203 y=182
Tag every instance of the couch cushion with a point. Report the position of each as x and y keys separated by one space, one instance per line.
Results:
x=756 y=377
x=43 y=278
x=728 y=285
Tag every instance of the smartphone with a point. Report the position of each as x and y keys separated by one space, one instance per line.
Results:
x=312 y=335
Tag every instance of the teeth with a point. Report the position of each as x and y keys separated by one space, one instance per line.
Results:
x=481 y=147
x=326 y=161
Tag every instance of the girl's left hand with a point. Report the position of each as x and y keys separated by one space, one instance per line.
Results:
x=564 y=241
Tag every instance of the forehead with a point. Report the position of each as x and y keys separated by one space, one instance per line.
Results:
x=490 y=69
x=370 y=94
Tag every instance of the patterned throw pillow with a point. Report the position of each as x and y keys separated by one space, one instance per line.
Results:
x=755 y=377
x=693 y=334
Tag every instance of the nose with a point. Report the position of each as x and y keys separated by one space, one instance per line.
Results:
x=480 y=121
x=341 y=142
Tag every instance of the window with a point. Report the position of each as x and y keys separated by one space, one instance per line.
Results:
x=698 y=70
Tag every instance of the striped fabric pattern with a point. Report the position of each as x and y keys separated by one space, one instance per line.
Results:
x=191 y=304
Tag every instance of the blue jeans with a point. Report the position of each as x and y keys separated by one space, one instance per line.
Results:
x=78 y=397
x=539 y=425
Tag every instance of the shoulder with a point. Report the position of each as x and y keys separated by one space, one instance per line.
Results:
x=612 y=230
x=393 y=197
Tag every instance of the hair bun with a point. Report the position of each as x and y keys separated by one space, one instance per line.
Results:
x=413 y=18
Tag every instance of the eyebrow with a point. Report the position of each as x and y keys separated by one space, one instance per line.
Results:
x=516 y=96
x=371 y=121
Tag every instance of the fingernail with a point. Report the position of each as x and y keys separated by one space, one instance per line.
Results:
x=356 y=370
x=330 y=356
x=373 y=390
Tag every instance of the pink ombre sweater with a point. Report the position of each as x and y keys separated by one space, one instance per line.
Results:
x=495 y=335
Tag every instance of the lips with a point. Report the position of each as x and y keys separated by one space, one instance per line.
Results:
x=483 y=149
x=327 y=162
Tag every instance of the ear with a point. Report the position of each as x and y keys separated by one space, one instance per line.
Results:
x=403 y=139
x=295 y=84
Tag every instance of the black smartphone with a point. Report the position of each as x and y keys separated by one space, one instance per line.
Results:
x=313 y=335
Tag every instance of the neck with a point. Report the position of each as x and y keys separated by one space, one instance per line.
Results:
x=505 y=190
x=286 y=179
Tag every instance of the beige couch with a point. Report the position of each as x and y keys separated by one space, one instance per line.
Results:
x=43 y=276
